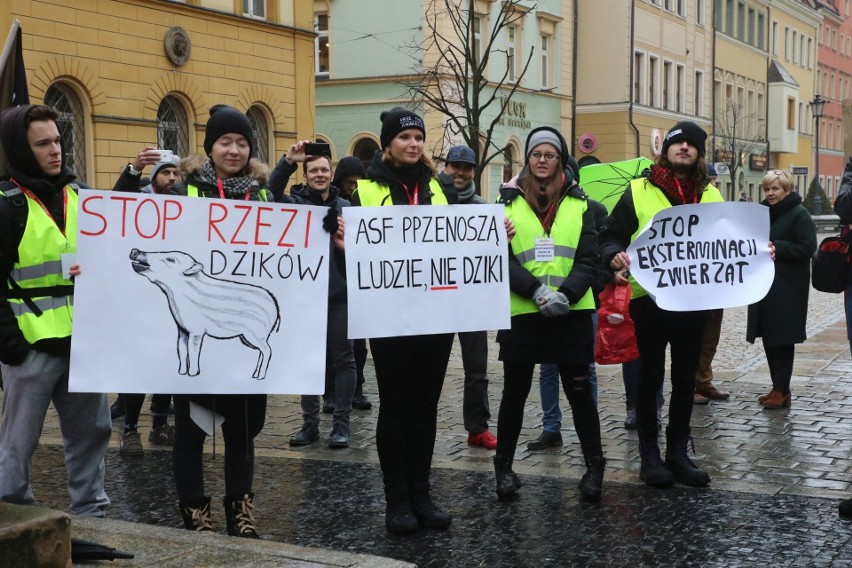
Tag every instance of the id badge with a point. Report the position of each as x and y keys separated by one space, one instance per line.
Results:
x=544 y=249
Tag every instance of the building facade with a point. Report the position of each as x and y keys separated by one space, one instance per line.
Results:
x=834 y=83
x=125 y=74
x=642 y=66
x=365 y=64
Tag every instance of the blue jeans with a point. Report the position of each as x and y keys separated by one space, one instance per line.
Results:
x=548 y=387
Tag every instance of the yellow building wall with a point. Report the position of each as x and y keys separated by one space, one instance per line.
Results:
x=111 y=53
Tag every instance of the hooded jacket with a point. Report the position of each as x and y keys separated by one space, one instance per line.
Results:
x=379 y=172
x=24 y=168
x=350 y=165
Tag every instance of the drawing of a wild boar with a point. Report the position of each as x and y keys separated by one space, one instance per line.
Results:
x=202 y=305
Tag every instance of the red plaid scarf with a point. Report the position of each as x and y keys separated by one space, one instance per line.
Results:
x=665 y=180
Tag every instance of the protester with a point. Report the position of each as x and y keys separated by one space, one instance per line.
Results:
x=346 y=175
x=164 y=178
x=780 y=317
x=457 y=180
x=552 y=266
x=678 y=176
x=340 y=374
x=843 y=208
x=38 y=227
x=226 y=172
x=548 y=382
x=409 y=370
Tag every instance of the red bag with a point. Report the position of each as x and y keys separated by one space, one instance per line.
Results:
x=616 y=341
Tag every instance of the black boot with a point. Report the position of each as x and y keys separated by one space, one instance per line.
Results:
x=429 y=516
x=591 y=484
x=508 y=482
x=359 y=401
x=196 y=515
x=399 y=517
x=682 y=468
x=239 y=515
x=653 y=471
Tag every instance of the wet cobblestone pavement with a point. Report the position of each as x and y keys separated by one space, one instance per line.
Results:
x=777 y=476
x=338 y=505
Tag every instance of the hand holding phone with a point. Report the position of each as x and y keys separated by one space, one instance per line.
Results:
x=317 y=149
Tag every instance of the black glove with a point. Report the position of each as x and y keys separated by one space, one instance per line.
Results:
x=329 y=222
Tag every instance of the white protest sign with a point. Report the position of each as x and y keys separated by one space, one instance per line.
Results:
x=187 y=295
x=418 y=270
x=704 y=256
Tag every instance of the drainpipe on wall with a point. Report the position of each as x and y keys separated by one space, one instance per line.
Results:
x=630 y=80
x=574 y=84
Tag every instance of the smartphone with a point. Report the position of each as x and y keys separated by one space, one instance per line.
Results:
x=318 y=149
x=165 y=155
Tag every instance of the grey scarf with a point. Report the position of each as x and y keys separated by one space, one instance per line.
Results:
x=235 y=187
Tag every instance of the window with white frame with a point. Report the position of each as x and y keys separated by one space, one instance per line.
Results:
x=653 y=81
x=787 y=43
x=681 y=8
x=810 y=52
x=729 y=17
x=545 y=61
x=698 y=99
x=638 y=77
x=668 y=85
x=774 y=38
x=321 y=58
x=476 y=25
x=751 y=38
x=760 y=33
x=512 y=34
x=741 y=20
x=254 y=8
x=793 y=47
x=679 y=86
x=669 y=5
x=699 y=12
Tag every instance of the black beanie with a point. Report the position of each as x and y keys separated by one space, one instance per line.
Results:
x=688 y=131
x=395 y=121
x=227 y=120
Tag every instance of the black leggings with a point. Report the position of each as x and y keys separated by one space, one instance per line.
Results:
x=780 y=359
x=133 y=405
x=517 y=380
x=244 y=419
x=410 y=374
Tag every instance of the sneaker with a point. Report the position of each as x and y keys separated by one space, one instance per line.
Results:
x=130 y=444
x=485 y=439
x=162 y=436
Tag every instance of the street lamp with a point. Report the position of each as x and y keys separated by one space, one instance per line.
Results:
x=817 y=106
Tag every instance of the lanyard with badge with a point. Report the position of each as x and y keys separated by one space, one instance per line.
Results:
x=545 y=250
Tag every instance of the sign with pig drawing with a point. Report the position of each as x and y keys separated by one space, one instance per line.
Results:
x=186 y=295
x=420 y=270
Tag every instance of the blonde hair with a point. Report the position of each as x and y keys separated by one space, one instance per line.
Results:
x=784 y=177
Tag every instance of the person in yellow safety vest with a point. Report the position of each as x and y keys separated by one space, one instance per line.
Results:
x=38 y=227
x=678 y=177
x=409 y=370
x=552 y=265
x=226 y=172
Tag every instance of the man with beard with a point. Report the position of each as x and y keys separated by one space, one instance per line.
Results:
x=678 y=177
x=164 y=177
x=38 y=231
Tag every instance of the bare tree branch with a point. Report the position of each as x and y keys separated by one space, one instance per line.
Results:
x=451 y=77
x=736 y=134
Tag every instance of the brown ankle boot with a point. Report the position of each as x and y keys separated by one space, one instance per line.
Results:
x=763 y=397
x=777 y=400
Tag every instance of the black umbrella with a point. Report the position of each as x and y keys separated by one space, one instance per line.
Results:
x=84 y=550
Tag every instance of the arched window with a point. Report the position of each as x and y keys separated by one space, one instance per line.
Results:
x=364 y=150
x=172 y=127
x=67 y=104
x=261 y=133
x=508 y=163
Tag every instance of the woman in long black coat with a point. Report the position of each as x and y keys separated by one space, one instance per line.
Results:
x=780 y=317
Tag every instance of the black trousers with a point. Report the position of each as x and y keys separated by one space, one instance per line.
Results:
x=517 y=380
x=133 y=405
x=244 y=418
x=410 y=375
x=657 y=329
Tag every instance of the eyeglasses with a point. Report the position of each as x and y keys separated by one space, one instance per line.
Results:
x=549 y=157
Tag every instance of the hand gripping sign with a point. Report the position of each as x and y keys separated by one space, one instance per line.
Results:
x=704 y=256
